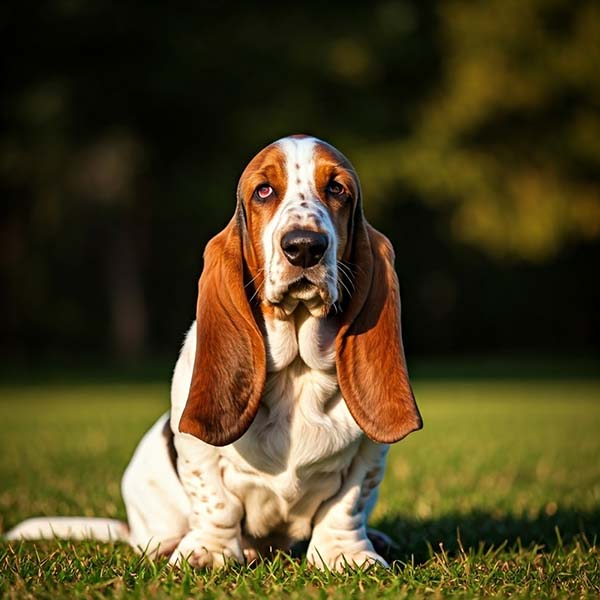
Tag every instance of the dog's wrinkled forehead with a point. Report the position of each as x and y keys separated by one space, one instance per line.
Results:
x=297 y=164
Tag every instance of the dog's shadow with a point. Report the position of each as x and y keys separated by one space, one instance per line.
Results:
x=415 y=539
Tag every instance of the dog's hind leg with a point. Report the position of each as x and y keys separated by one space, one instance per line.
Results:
x=156 y=503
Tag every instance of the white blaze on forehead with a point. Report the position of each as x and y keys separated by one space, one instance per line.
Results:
x=300 y=165
x=301 y=205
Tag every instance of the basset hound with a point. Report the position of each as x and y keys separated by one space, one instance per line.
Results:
x=289 y=387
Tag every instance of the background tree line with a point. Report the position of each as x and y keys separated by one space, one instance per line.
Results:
x=475 y=128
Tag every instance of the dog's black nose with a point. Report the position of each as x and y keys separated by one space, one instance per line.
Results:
x=304 y=248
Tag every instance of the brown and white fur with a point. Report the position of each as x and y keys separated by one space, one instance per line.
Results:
x=289 y=387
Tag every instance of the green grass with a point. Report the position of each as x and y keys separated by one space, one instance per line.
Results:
x=499 y=495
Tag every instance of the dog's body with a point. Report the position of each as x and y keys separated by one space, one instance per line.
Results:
x=281 y=409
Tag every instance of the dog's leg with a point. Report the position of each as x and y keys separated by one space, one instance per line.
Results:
x=339 y=536
x=156 y=503
x=214 y=521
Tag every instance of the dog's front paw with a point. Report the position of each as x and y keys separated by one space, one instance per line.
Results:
x=201 y=551
x=336 y=558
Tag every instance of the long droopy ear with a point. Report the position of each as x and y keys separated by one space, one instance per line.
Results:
x=371 y=366
x=230 y=364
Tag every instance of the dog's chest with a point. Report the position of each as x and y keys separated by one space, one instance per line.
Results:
x=303 y=438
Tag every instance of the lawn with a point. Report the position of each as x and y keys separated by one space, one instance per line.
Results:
x=498 y=495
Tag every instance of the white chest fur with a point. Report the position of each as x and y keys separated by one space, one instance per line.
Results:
x=303 y=438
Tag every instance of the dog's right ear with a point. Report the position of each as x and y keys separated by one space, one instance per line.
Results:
x=230 y=364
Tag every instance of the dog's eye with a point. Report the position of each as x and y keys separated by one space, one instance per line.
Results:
x=335 y=189
x=263 y=192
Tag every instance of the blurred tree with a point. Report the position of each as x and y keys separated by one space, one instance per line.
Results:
x=511 y=136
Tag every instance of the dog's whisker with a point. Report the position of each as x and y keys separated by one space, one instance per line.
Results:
x=341 y=283
x=346 y=288
x=349 y=281
x=255 y=277
x=345 y=271
x=358 y=268
x=341 y=286
x=344 y=266
x=256 y=292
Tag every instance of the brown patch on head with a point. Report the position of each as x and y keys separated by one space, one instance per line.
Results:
x=332 y=165
x=266 y=168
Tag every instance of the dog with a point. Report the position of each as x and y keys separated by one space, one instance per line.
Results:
x=289 y=388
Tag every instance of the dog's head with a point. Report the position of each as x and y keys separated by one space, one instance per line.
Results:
x=297 y=198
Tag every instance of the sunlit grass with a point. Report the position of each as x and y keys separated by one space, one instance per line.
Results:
x=498 y=495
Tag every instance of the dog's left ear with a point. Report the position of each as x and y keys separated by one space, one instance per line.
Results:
x=230 y=363
x=371 y=366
